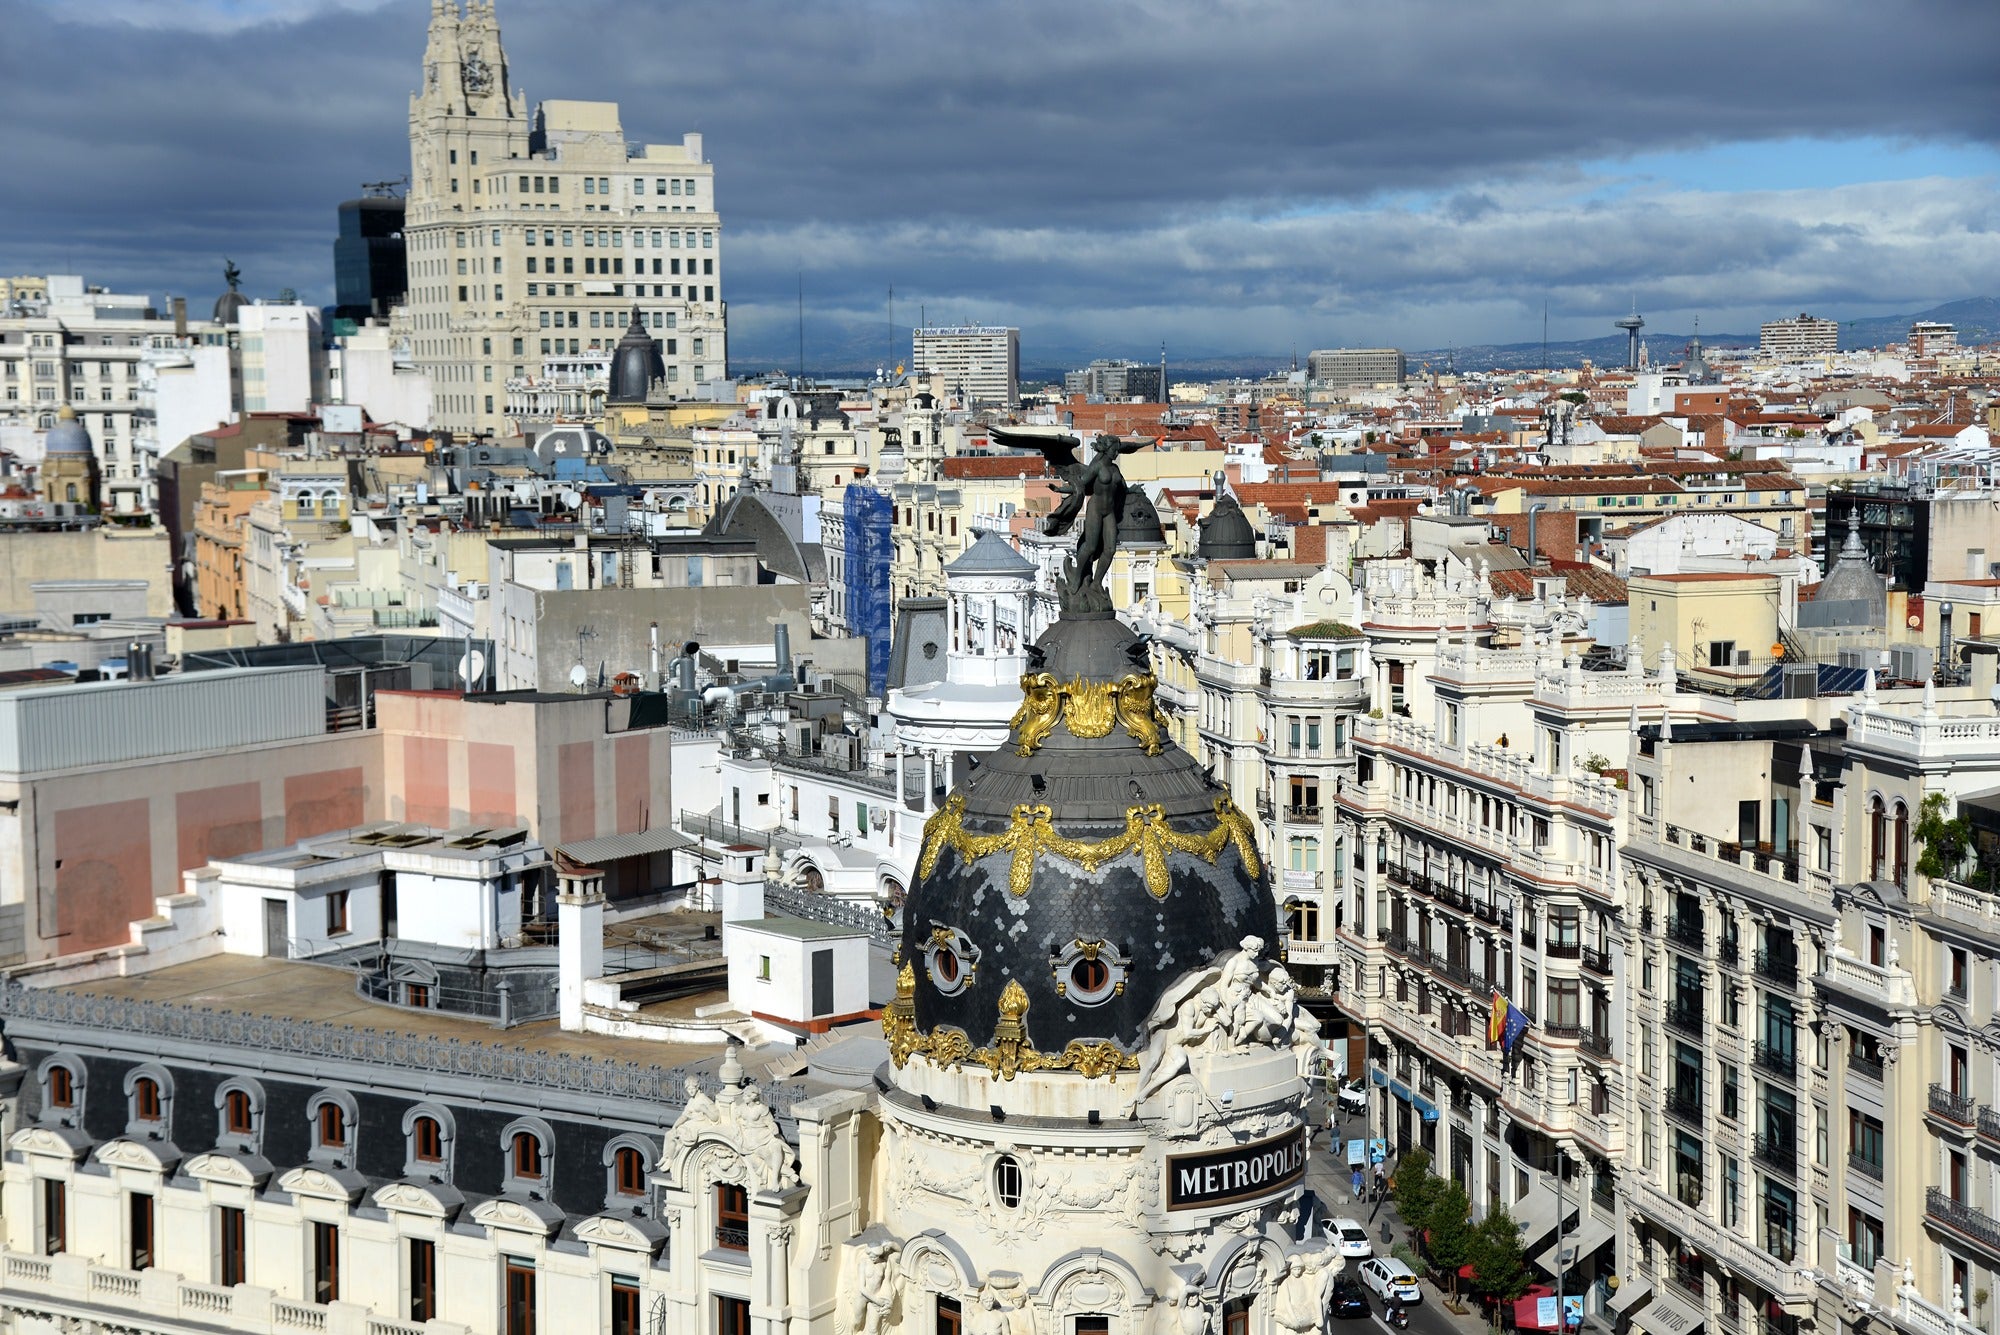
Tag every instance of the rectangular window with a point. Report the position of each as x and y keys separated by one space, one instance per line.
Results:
x=139 y=1210
x=55 y=1216
x=732 y=1217
x=1864 y=1142
x=624 y=1306
x=950 y=1317
x=423 y=1279
x=326 y=1262
x=230 y=1268
x=332 y=1126
x=520 y=1296
x=732 y=1316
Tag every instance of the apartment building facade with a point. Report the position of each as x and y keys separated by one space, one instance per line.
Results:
x=531 y=238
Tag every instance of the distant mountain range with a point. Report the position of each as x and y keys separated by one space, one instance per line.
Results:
x=859 y=351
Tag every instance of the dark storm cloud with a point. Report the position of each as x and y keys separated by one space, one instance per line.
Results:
x=1210 y=172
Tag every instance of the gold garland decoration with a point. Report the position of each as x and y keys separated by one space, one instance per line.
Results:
x=1088 y=708
x=1010 y=1052
x=1030 y=834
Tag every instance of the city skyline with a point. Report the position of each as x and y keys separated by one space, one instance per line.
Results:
x=1225 y=186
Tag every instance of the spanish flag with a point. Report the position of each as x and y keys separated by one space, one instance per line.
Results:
x=1497 y=1025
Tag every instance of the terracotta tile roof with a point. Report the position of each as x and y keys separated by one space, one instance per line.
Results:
x=1579 y=581
x=967 y=466
x=1704 y=577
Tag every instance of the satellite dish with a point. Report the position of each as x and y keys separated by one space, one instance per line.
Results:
x=472 y=667
x=577 y=676
x=571 y=499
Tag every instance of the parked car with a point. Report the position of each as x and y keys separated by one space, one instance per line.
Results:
x=1390 y=1280
x=1347 y=1299
x=1352 y=1097
x=1349 y=1238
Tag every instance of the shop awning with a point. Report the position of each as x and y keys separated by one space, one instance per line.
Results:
x=1589 y=1234
x=594 y=852
x=1666 y=1316
x=1631 y=1292
x=1535 y=1213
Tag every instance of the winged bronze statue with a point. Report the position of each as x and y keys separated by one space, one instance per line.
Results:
x=1094 y=490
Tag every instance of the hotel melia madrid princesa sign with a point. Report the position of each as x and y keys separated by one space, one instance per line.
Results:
x=1236 y=1173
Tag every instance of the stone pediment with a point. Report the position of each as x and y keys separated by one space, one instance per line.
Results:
x=518 y=1216
x=152 y=1156
x=58 y=1142
x=433 y=1200
x=629 y=1233
x=325 y=1184
x=240 y=1170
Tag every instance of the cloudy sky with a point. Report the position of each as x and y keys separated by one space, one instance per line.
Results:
x=1229 y=176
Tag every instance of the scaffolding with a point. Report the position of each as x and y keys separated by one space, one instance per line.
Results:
x=868 y=514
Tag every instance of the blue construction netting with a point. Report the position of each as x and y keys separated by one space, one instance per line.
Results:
x=867 y=515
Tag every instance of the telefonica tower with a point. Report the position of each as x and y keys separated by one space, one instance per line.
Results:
x=536 y=236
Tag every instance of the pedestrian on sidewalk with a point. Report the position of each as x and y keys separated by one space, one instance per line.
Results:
x=1381 y=1183
x=1357 y=1182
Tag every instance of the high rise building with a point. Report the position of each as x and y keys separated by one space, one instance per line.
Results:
x=1343 y=368
x=1800 y=336
x=1928 y=338
x=369 y=276
x=1115 y=381
x=533 y=236
x=980 y=362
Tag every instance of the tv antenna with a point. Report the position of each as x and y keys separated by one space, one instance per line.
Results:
x=384 y=189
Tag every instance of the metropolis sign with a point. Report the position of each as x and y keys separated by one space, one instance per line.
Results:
x=1237 y=1173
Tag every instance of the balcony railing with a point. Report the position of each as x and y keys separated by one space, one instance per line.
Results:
x=1686 y=932
x=1685 y=1018
x=1597 y=961
x=1779 y=967
x=1989 y=1123
x=1687 y=1278
x=1727 y=950
x=1865 y=1166
x=1962 y=1218
x=1596 y=1044
x=1303 y=814
x=1563 y=950
x=1867 y=1067
x=1779 y=1152
x=1685 y=1107
x=1959 y=1108
x=1779 y=1061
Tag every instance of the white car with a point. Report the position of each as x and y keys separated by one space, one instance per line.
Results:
x=1348 y=1237
x=1391 y=1280
x=1352 y=1098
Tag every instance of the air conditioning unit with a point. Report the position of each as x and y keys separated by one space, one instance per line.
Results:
x=1801 y=681
x=1910 y=662
x=1858 y=659
x=1742 y=658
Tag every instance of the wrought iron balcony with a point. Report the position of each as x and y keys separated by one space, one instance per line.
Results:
x=1596 y=1044
x=1963 y=1219
x=1778 y=1061
x=1865 y=1166
x=1685 y=1106
x=1959 y=1108
x=1868 y=1067
x=1780 y=967
x=1777 y=1152
x=1686 y=1017
x=1686 y=932
x=1597 y=961
x=1563 y=950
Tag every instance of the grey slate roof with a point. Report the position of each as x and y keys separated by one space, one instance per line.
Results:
x=991 y=554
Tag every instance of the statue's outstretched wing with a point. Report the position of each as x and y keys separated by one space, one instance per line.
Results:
x=1051 y=442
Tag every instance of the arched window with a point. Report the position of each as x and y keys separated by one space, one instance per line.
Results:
x=63 y=1081
x=149 y=1094
x=1902 y=844
x=69 y=492
x=241 y=1105
x=1878 y=838
x=429 y=1133
x=626 y=1161
x=529 y=1145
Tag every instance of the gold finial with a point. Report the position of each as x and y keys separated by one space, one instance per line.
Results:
x=906 y=981
x=1013 y=1000
x=66 y=413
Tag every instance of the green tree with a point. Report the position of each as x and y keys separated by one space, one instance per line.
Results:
x=1496 y=1257
x=1944 y=839
x=1417 y=1190
x=1452 y=1232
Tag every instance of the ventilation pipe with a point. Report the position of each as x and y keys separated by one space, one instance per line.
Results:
x=1534 y=552
x=781 y=644
x=653 y=653
x=1944 y=656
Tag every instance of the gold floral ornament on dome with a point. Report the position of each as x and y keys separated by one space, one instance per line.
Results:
x=1030 y=834
x=1088 y=709
x=1010 y=1052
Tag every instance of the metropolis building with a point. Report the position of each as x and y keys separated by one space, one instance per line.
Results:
x=1083 y=1110
x=530 y=237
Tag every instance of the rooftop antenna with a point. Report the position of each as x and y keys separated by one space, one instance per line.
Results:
x=1545 y=335
x=802 y=325
x=1632 y=324
x=892 y=323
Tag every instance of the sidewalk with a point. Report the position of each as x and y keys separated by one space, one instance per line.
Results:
x=1328 y=1175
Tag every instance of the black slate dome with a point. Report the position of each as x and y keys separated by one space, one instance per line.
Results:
x=1063 y=891
x=635 y=364
x=1226 y=534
